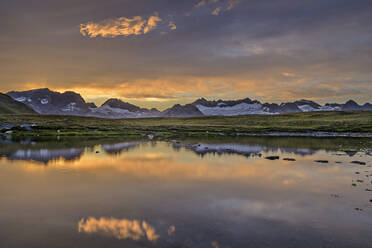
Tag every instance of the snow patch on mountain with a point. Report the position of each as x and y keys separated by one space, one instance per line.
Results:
x=306 y=108
x=238 y=109
x=20 y=99
x=70 y=107
x=107 y=111
x=329 y=108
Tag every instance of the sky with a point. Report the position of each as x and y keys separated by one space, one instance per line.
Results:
x=155 y=53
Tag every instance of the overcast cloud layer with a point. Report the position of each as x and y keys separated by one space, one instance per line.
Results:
x=156 y=53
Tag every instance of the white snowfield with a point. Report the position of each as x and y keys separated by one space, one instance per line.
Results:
x=327 y=108
x=21 y=99
x=238 y=109
x=70 y=107
x=308 y=108
x=109 y=112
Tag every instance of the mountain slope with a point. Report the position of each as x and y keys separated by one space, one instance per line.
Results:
x=45 y=101
x=116 y=108
x=9 y=106
x=188 y=110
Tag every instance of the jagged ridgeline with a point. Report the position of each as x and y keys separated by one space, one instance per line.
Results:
x=10 y=106
x=45 y=101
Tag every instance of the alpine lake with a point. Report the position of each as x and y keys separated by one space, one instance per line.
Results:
x=217 y=193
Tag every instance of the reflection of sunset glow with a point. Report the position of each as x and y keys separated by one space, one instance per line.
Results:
x=171 y=230
x=161 y=162
x=167 y=167
x=118 y=228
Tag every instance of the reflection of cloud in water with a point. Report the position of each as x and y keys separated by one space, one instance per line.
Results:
x=246 y=150
x=46 y=155
x=171 y=230
x=285 y=210
x=215 y=244
x=119 y=228
x=120 y=147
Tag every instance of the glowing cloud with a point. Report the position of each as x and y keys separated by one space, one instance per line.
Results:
x=172 y=25
x=205 y=2
x=216 y=11
x=171 y=230
x=288 y=74
x=201 y=4
x=231 y=4
x=121 y=26
x=222 y=5
x=119 y=228
x=151 y=23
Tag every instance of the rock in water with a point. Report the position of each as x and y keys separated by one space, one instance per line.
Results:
x=272 y=157
x=358 y=162
x=322 y=161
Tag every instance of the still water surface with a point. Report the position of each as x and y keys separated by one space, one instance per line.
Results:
x=184 y=194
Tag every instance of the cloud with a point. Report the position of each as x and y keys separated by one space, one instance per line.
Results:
x=121 y=26
x=172 y=25
x=216 y=11
x=201 y=4
x=231 y=4
x=205 y=2
x=219 y=58
x=151 y=23
x=215 y=244
x=119 y=228
x=288 y=74
x=222 y=5
x=171 y=230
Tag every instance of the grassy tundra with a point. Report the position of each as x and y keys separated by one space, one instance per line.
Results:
x=48 y=125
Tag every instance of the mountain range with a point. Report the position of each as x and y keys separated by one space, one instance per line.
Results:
x=45 y=101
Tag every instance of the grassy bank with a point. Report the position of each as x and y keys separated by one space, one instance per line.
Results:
x=48 y=125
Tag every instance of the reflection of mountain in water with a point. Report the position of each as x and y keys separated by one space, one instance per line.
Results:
x=120 y=147
x=46 y=155
x=22 y=151
x=245 y=150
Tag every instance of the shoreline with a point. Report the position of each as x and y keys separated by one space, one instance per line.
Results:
x=315 y=134
x=156 y=134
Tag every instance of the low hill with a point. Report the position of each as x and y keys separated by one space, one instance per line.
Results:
x=10 y=106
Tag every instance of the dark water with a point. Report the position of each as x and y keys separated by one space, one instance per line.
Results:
x=196 y=193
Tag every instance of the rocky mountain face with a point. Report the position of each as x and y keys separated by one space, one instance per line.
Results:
x=10 y=106
x=188 y=110
x=45 y=101
x=91 y=105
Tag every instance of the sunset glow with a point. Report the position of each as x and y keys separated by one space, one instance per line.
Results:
x=158 y=53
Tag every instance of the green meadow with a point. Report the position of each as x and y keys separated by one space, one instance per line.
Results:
x=51 y=125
